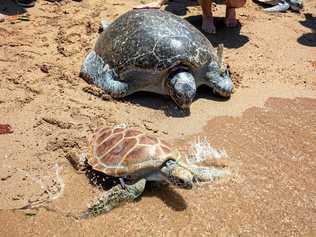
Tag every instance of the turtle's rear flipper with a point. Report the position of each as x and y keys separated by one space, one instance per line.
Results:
x=114 y=197
x=281 y=7
x=95 y=71
x=104 y=25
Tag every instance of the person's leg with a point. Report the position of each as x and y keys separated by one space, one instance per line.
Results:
x=152 y=5
x=25 y=3
x=208 y=22
x=231 y=5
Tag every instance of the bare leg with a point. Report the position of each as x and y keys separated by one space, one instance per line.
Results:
x=152 y=5
x=231 y=20
x=231 y=5
x=208 y=22
x=114 y=197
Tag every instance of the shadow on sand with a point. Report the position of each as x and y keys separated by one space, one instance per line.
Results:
x=308 y=39
x=167 y=194
x=163 y=191
x=10 y=8
x=179 y=7
x=157 y=102
x=230 y=37
x=166 y=104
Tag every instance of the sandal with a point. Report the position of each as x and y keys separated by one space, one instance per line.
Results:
x=25 y=3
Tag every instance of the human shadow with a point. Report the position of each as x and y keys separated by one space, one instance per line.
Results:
x=161 y=190
x=10 y=8
x=230 y=37
x=308 y=39
x=167 y=105
x=180 y=7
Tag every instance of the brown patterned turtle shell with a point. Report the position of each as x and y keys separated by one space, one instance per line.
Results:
x=126 y=151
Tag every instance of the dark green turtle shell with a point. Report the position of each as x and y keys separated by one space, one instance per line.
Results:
x=153 y=40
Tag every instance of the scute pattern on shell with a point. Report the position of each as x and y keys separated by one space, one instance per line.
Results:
x=124 y=151
x=152 y=40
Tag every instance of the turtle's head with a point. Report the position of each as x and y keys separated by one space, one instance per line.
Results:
x=217 y=75
x=181 y=87
x=177 y=174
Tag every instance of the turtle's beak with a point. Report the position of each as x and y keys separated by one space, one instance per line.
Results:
x=186 y=110
x=177 y=175
x=186 y=185
x=182 y=178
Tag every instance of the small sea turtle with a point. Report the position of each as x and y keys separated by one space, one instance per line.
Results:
x=134 y=158
x=283 y=5
x=156 y=51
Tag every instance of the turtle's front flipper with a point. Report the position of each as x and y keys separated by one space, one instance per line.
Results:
x=281 y=7
x=95 y=71
x=205 y=174
x=218 y=78
x=114 y=197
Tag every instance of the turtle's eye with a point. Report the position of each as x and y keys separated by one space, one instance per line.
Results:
x=213 y=66
x=224 y=71
x=179 y=96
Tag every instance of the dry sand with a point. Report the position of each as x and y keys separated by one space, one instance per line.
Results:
x=267 y=128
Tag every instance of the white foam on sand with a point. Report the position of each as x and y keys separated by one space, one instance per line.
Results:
x=201 y=150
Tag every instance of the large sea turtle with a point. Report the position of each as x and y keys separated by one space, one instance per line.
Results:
x=282 y=5
x=156 y=51
x=134 y=158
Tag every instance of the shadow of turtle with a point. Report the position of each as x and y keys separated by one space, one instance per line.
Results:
x=204 y=92
x=230 y=37
x=157 y=102
x=10 y=8
x=167 y=105
x=101 y=180
x=169 y=196
x=308 y=39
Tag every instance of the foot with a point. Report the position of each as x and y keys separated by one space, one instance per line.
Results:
x=152 y=5
x=2 y=17
x=231 y=20
x=25 y=3
x=208 y=25
x=280 y=7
